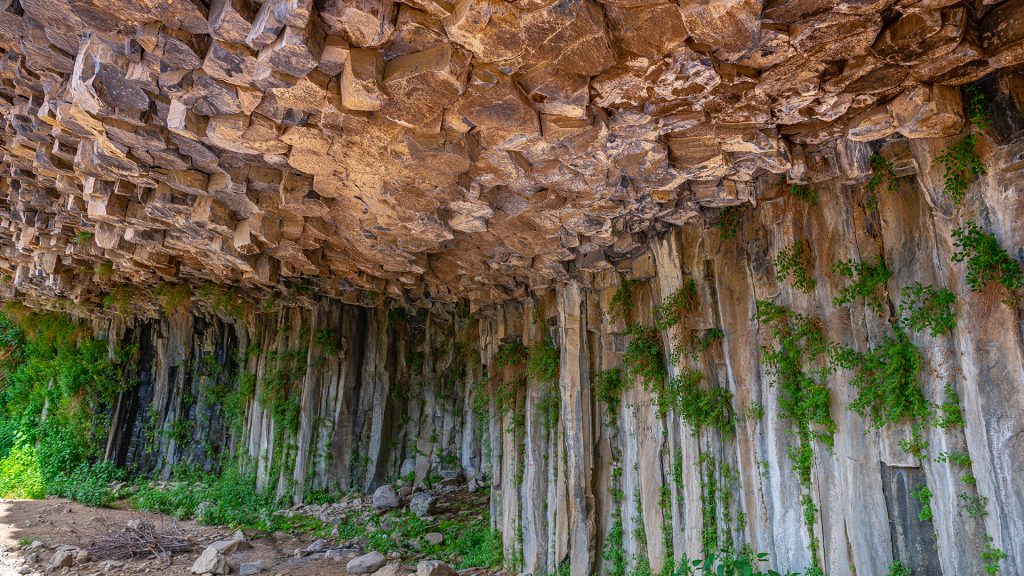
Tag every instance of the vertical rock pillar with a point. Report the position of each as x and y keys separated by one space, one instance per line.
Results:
x=576 y=421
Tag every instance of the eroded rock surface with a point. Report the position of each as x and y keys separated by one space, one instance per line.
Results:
x=436 y=150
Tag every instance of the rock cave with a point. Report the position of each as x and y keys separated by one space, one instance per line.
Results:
x=663 y=286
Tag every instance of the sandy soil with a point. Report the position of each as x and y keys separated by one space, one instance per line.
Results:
x=59 y=522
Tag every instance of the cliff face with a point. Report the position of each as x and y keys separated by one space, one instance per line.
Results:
x=668 y=278
x=345 y=397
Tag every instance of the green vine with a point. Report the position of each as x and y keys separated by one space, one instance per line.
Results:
x=698 y=407
x=729 y=222
x=643 y=358
x=927 y=308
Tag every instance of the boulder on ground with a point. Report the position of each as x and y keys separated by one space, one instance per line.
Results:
x=62 y=559
x=385 y=498
x=211 y=561
x=434 y=538
x=250 y=568
x=434 y=568
x=365 y=564
x=422 y=504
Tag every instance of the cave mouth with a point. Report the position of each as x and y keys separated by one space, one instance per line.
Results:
x=586 y=287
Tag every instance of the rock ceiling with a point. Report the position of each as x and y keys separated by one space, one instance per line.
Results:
x=436 y=150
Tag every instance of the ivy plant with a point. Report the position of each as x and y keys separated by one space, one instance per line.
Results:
x=699 y=407
x=961 y=164
x=622 y=301
x=729 y=222
x=694 y=343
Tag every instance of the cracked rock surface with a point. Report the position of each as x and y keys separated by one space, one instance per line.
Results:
x=427 y=149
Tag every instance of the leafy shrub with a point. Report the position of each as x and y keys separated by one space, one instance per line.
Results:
x=962 y=165
x=886 y=379
x=683 y=301
x=796 y=260
x=622 y=301
x=987 y=261
x=643 y=357
x=510 y=354
x=868 y=282
x=694 y=343
x=977 y=108
x=609 y=386
x=543 y=360
x=82 y=237
x=804 y=193
x=729 y=222
x=88 y=484
x=698 y=407
x=948 y=413
x=991 y=556
x=924 y=307
x=923 y=495
x=898 y=569
x=20 y=475
x=881 y=173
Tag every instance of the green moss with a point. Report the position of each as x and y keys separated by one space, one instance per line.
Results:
x=119 y=300
x=223 y=299
x=796 y=261
x=867 y=282
x=683 y=301
x=82 y=237
x=987 y=261
x=173 y=297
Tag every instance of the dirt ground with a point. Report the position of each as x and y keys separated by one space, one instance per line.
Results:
x=56 y=522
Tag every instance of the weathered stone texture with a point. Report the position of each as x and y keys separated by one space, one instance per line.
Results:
x=471 y=135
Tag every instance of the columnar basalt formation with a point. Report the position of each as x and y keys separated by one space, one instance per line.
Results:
x=668 y=278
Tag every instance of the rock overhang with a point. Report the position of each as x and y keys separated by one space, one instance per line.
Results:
x=436 y=151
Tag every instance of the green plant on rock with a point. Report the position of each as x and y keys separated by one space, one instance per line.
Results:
x=511 y=353
x=882 y=173
x=173 y=297
x=82 y=237
x=621 y=304
x=927 y=308
x=923 y=495
x=962 y=164
x=693 y=343
x=729 y=222
x=223 y=299
x=643 y=358
x=977 y=108
x=955 y=458
x=948 y=413
x=804 y=193
x=867 y=282
x=614 y=551
x=975 y=504
x=796 y=260
x=543 y=360
x=916 y=445
x=722 y=564
x=803 y=400
x=991 y=556
x=683 y=301
x=898 y=569
x=698 y=407
x=987 y=261
x=887 y=381
x=609 y=386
